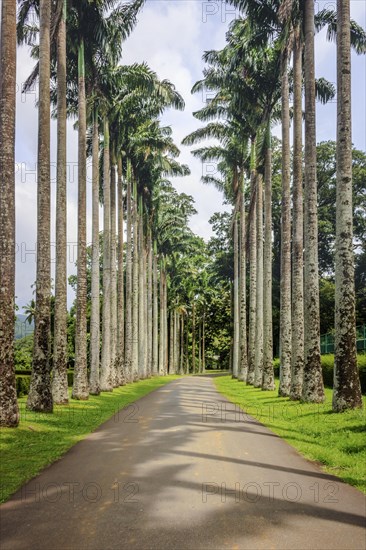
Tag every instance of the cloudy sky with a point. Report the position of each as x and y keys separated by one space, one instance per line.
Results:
x=171 y=37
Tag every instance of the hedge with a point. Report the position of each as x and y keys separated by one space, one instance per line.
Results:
x=327 y=368
x=23 y=381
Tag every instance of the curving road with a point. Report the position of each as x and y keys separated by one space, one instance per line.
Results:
x=182 y=469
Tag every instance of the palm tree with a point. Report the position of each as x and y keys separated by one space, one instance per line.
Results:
x=113 y=268
x=9 y=414
x=59 y=379
x=258 y=368
x=40 y=394
x=121 y=285
x=285 y=304
x=313 y=388
x=94 y=385
x=297 y=353
x=155 y=344
x=80 y=386
x=105 y=373
x=347 y=389
x=268 y=373
x=128 y=332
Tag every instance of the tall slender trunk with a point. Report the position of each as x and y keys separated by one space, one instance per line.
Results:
x=80 y=388
x=313 y=389
x=285 y=283
x=171 y=343
x=113 y=294
x=40 y=394
x=258 y=369
x=200 y=346
x=120 y=283
x=135 y=289
x=347 y=390
x=165 y=325
x=236 y=298
x=105 y=374
x=149 y=358
x=243 y=365
x=161 y=320
x=155 y=327
x=204 y=343
x=181 y=353
x=95 y=269
x=128 y=335
x=9 y=413
x=268 y=374
x=146 y=309
x=297 y=356
x=59 y=380
x=141 y=296
x=193 y=338
x=187 y=345
x=253 y=264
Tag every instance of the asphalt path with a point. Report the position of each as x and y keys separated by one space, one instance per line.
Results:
x=183 y=468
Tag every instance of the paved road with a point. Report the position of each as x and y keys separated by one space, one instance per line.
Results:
x=183 y=470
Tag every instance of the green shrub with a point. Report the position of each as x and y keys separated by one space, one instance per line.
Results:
x=327 y=368
x=22 y=385
x=23 y=381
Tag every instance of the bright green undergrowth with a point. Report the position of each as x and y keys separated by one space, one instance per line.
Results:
x=40 y=439
x=336 y=441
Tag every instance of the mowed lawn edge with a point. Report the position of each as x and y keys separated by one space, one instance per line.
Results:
x=41 y=439
x=336 y=441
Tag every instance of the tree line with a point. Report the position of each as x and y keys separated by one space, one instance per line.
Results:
x=130 y=315
x=269 y=54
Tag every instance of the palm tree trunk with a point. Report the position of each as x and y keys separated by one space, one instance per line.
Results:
x=204 y=343
x=347 y=390
x=200 y=346
x=161 y=319
x=80 y=387
x=285 y=284
x=268 y=374
x=113 y=294
x=297 y=357
x=9 y=413
x=120 y=284
x=193 y=338
x=105 y=374
x=253 y=266
x=187 y=345
x=177 y=340
x=128 y=335
x=95 y=269
x=171 y=343
x=166 y=359
x=258 y=369
x=155 y=326
x=313 y=389
x=59 y=380
x=181 y=354
x=243 y=366
x=236 y=298
x=135 y=289
x=40 y=394
x=141 y=297
x=149 y=306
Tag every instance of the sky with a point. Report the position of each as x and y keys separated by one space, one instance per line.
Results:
x=171 y=37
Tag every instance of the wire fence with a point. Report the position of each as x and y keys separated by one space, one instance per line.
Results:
x=327 y=341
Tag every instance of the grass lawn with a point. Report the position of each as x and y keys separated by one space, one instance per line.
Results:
x=337 y=441
x=40 y=438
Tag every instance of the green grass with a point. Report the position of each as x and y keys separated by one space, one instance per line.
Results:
x=336 y=441
x=40 y=439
